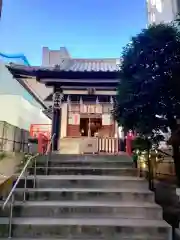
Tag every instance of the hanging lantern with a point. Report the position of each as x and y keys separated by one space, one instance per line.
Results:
x=81 y=105
x=112 y=103
x=111 y=100
x=97 y=100
x=69 y=102
x=81 y=101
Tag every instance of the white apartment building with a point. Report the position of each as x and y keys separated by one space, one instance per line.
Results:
x=162 y=11
x=18 y=106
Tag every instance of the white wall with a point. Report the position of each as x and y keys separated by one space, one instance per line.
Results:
x=19 y=112
x=52 y=57
x=162 y=10
x=9 y=85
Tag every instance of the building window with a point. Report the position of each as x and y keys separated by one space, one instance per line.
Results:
x=159 y=5
x=153 y=18
x=153 y=2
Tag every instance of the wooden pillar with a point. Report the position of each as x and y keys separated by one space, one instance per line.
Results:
x=56 y=128
x=56 y=120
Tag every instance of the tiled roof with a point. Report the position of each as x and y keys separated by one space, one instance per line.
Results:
x=63 y=59
x=73 y=65
x=89 y=65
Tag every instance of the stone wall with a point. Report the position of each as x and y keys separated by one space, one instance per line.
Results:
x=13 y=139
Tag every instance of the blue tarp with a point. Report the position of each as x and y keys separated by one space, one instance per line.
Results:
x=16 y=58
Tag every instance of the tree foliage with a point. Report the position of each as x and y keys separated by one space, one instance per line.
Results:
x=148 y=96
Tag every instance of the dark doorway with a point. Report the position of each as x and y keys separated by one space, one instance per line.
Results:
x=95 y=126
x=90 y=125
x=84 y=122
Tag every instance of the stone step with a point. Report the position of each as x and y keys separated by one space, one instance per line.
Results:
x=86 y=160
x=85 y=170
x=111 y=228
x=91 y=194
x=89 y=181
x=96 y=164
x=99 y=238
x=121 y=157
x=86 y=209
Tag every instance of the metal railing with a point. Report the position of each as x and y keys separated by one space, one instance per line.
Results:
x=13 y=138
x=48 y=152
x=163 y=168
x=161 y=175
x=17 y=181
x=159 y=167
x=13 y=145
x=24 y=172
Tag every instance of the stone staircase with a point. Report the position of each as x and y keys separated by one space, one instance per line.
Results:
x=84 y=198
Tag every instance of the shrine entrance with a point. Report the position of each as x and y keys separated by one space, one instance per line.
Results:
x=90 y=126
x=84 y=122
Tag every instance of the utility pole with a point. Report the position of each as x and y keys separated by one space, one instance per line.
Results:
x=1 y=3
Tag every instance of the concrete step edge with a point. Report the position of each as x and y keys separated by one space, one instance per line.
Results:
x=129 y=161
x=89 y=190
x=87 y=177
x=142 y=237
x=87 y=222
x=85 y=168
x=80 y=203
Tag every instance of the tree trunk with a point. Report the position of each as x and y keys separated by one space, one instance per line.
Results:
x=176 y=157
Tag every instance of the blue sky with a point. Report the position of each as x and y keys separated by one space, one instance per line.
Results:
x=88 y=28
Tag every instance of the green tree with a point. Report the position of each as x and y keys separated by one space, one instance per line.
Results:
x=148 y=96
x=177 y=20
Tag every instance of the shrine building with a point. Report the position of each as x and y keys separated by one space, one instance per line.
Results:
x=80 y=93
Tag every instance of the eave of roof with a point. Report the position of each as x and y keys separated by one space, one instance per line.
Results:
x=88 y=83
x=83 y=87
x=71 y=72
x=68 y=79
x=29 y=90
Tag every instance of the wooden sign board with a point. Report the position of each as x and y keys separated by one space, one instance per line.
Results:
x=91 y=108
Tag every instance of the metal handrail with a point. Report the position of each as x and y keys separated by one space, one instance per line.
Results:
x=50 y=143
x=48 y=150
x=23 y=170
x=165 y=153
x=16 y=183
